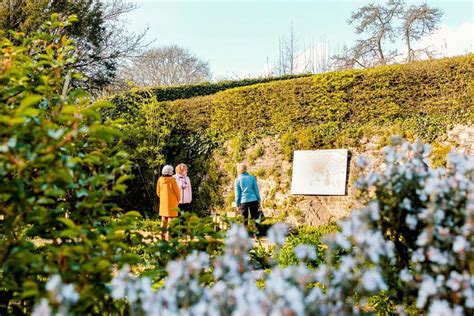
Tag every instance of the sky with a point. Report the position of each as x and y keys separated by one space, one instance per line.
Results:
x=240 y=38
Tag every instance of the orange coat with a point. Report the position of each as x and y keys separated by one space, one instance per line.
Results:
x=168 y=191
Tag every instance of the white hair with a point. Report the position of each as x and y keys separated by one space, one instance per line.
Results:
x=167 y=170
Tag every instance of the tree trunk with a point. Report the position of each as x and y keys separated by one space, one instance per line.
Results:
x=379 y=47
x=407 y=41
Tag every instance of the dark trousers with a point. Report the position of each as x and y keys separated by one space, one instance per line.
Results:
x=185 y=207
x=249 y=208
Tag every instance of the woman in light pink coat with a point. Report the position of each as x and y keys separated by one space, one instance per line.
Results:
x=184 y=185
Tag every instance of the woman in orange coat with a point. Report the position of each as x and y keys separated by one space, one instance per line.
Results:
x=168 y=191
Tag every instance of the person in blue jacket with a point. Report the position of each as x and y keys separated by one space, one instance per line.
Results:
x=247 y=198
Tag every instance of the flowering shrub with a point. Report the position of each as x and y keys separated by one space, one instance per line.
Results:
x=412 y=241
x=411 y=244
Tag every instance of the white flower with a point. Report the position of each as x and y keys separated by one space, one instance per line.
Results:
x=406 y=204
x=418 y=256
x=406 y=276
x=277 y=234
x=119 y=283
x=469 y=294
x=374 y=210
x=455 y=280
x=437 y=256
x=342 y=241
x=427 y=289
x=460 y=244
x=69 y=293
x=54 y=283
x=362 y=162
x=42 y=309
x=440 y=308
x=411 y=221
x=347 y=264
x=422 y=239
x=372 y=281
x=305 y=252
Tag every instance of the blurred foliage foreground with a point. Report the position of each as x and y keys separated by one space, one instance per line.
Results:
x=59 y=177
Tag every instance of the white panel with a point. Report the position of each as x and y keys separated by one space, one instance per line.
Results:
x=319 y=172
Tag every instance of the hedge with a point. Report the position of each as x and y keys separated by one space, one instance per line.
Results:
x=127 y=101
x=422 y=97
x=426 y=92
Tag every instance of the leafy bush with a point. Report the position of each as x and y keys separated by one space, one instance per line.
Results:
x=58 y=177
x=412 y=242
x=426 y=93
x=306 y=235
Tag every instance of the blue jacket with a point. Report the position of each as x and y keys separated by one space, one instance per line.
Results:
x=246 y=189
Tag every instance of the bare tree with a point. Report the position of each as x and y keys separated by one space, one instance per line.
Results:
x=387 y=22
x=288 y=48
x=377 y=21
x=317 y=57
x=168 y=65
x=418 y=21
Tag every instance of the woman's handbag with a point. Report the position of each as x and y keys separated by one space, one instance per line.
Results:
x=260 y=216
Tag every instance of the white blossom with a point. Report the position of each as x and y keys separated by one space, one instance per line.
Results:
x=405 y=275
x=372 y=280
x=277 y=234
x=42 y=309
x=459 y=244
x=411 y=221
x=305 y=252
x=427 y=289
x=440 y=308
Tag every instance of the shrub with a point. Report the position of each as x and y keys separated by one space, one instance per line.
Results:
x=305 y=235
x=129 y=101
x=58 y=177
x=412 y=242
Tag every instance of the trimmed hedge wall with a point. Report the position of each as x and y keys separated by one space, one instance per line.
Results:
x=128 y=101
x=425 y=93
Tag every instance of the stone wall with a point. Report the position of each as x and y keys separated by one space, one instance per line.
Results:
x=274 y=178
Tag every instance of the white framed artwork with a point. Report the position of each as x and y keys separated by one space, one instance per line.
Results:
x=319 y=172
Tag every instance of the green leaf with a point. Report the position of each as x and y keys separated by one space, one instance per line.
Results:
x=69 y=233
x=131 y=258
x=68 y=222
x=27 y=102
x=132 y=214
x=30 y=289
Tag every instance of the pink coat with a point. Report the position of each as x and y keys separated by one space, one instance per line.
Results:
x=184 y=185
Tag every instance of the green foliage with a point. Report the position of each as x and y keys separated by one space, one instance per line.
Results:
x=236 y=148
x=58 y=176
x=307 y=235
x=328 y=104
x=94 y=32
x=439 y=154
x=189 y=233
x=256 y=153
x=130 y=101
x=157 y=135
